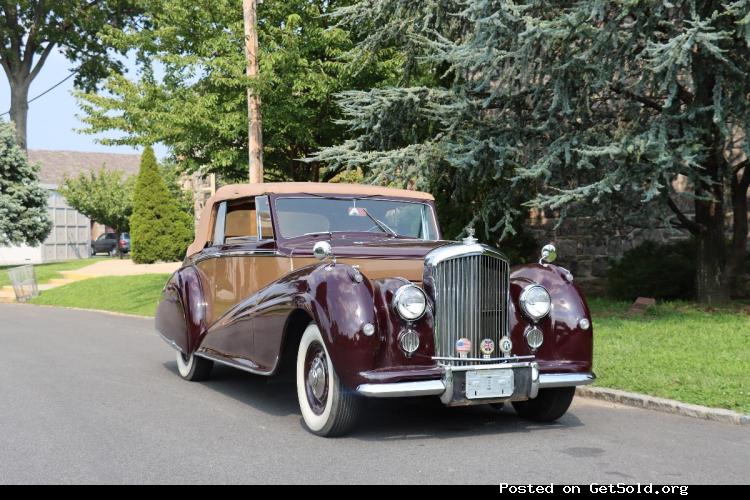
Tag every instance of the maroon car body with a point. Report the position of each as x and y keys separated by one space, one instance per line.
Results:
x=260 y=293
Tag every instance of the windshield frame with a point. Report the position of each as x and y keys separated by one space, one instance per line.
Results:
x=431 y=215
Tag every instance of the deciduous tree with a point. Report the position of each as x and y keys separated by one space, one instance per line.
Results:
x=31 y=29
x=192 y=91
x=105 y=196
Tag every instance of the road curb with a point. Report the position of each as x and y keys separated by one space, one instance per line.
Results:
x=663 y=405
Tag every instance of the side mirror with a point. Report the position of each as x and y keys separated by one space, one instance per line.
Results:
x=322 y=250
x=549 y=254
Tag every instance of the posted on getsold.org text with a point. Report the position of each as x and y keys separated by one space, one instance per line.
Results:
x=593 y=489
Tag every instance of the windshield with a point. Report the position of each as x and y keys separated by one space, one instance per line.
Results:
x=300 y=216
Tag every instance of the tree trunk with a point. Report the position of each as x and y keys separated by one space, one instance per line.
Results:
x=738 y=251
x=710 y=285
x=19 y=109
x=711 y=288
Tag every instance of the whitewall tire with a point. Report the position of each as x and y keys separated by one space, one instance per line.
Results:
x=328 y=408
x=193 y=368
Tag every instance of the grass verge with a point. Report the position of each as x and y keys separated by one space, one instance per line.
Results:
x=677 y=351
x=124 y=294
x=46 y=272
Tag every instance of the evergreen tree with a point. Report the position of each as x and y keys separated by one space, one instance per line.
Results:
x=196 y=103
x=23 y=202
x=601 y=104
x=159 y=230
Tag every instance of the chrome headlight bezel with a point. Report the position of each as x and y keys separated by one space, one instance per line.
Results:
x=525 y=304
x=399 y=305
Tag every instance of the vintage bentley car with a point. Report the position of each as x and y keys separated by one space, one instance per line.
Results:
x=352 y=290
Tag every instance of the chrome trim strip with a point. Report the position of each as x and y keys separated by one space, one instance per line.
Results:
x=487 y=367
x=440 y=254
x=486 y=360
x=237 y=253
x=402 y=389
x=227 y=362
x=551 y=380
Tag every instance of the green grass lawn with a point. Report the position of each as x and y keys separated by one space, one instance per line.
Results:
x=677 y=351
x=46 y=272
x=125 y=294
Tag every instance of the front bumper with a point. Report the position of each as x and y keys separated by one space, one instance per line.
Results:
x=452 y=386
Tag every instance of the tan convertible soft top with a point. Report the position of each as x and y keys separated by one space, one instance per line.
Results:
x=234 y=191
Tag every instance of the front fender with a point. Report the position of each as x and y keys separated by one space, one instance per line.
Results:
x=340 y=306
x=567 y=347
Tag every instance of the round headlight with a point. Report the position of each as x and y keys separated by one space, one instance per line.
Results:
x=535 y=302
x=410 y=302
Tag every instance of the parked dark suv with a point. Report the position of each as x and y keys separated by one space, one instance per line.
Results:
x=109 y=243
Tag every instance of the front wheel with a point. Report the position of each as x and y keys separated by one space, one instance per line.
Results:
x=548 y=406
x=328 y=408
x=193 y=368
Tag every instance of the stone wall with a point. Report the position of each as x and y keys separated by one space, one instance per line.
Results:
x=587 y=252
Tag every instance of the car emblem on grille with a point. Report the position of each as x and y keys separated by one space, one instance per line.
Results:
x=506 y=345
x=487 y=346
x=463 y=346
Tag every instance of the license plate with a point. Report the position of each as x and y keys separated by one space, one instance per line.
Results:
x=489 y=383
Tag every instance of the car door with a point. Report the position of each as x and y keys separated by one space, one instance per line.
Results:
x=101 y=243
x=238 y=262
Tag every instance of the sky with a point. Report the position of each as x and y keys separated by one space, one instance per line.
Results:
x=52 y=120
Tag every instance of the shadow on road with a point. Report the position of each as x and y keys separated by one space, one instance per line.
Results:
x=382 y=419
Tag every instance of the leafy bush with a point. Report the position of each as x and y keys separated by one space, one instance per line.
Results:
x=658 y=270
x=159 y=229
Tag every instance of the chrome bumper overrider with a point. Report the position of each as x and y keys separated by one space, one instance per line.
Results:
x=450 y=386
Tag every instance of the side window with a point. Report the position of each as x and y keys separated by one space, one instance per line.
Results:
x=241 y=220
x=265 y=228
x=218 y=237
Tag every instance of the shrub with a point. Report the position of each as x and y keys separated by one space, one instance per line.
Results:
x=159 y=230
x=658 y=270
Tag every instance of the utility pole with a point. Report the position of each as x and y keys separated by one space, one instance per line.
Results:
x=255 y=132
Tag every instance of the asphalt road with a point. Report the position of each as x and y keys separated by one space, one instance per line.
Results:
x=95 y=398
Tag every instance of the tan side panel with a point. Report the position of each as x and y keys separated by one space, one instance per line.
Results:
x=374 y=269
x=229 y=280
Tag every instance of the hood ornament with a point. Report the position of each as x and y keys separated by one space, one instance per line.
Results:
x=470 y=239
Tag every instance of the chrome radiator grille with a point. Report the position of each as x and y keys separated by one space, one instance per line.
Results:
x=470 y=302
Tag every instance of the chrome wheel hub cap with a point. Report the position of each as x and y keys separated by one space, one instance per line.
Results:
x=317 y=378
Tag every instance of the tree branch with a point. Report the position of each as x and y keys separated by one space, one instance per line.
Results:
x=685 y=95
x=40 y=62
x=646 y=101
x=31 y=41
x=5 y=66
x=744 y=163
x=686 y=223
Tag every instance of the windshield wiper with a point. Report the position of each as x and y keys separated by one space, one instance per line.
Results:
x=382 y=225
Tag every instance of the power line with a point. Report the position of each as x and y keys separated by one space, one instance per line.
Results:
x=71 y=75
